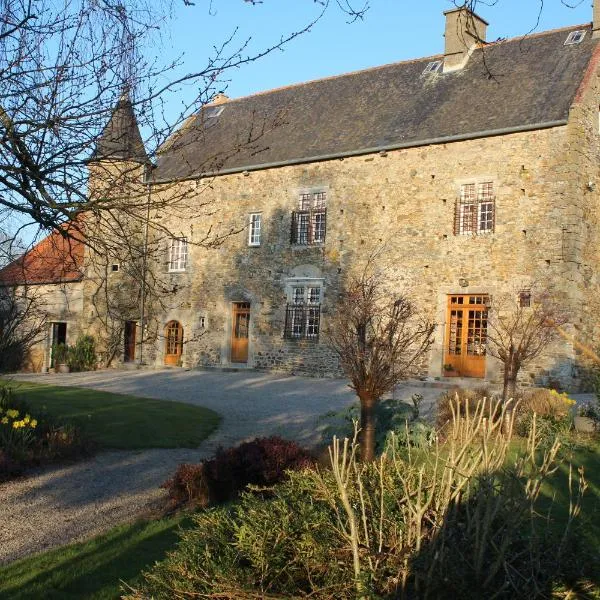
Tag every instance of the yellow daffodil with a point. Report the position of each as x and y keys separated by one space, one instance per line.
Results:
x=4 y=420
x=27 y=419
x=12 y=413
x=33 y=423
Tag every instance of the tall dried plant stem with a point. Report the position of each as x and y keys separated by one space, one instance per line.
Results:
x=342 y=466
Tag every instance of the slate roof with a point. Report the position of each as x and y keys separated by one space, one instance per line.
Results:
x=55 y=259
x=520 y=83
x=121 y=138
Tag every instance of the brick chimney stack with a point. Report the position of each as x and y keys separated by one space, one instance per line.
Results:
x=596 y=20
x=464 y=31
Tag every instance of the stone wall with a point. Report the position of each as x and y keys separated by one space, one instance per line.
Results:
x=398 y=203
x=60 y=303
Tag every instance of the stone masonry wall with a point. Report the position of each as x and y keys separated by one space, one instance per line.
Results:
x=400 y=203
x=581 y=226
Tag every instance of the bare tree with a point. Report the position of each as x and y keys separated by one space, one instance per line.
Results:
x=22 y=325
x=63 y=68
x=521 y=326
x=380 y=340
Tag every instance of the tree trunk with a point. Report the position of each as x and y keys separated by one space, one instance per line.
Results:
x=511 y=370
x=368 y=423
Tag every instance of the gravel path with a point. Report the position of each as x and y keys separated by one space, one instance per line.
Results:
x=60 y=505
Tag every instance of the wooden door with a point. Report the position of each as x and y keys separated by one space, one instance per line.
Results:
x=466 y=335
x=239 y=332
x=173 y=343
x=129 y=341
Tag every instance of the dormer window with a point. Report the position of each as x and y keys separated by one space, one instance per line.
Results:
x=432 y=67
x=212 y=112
x=575 y=37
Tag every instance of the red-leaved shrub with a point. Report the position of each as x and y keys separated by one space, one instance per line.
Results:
x=262 y=461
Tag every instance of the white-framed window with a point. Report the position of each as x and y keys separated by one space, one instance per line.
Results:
x=303 y=312
x=309 y=222
x=178 y=254
x=575 y=37
x=432 y=67
x=475 y=211
x=254 y=229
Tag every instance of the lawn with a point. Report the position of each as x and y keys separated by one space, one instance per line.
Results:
x=118 y=420
x=91 y=569
x=557 y=489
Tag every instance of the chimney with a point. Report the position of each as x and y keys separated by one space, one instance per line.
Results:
x=219 y=98
x=464 y=31
x=596 y=20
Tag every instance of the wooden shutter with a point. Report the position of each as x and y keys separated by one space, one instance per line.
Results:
x=294 y=231
x=457 y=216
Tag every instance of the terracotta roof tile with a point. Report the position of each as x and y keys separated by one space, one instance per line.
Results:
x=56 y=259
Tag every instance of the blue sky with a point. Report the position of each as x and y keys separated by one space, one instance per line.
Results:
x=392 y=30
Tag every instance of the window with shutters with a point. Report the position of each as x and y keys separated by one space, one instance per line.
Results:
x=310 y=220
x=475 y=211
x=303 y=312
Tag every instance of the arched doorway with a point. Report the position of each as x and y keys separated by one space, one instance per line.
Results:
x=173 y=343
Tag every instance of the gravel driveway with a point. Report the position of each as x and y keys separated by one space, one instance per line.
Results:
x=56 y=506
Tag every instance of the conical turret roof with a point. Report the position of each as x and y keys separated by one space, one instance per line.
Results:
x=121 y=138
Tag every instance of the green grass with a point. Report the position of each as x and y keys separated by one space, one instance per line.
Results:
x=557 y=489
x=92 y=569
x=118 y=420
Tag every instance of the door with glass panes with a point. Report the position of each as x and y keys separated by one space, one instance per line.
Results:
x=466 y=335
x=240 y=332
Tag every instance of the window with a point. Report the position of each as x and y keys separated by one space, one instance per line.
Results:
x=254 y=229
x=475 y=209
x=432 y=67
x=575 y=37
x=212 y=112
x=178 y=255
x=309 y=223
x=114 y=267
x=525 y=298
x=303 y=313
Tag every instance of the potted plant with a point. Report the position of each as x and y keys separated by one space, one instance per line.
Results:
x=587 y=418
x=449 y=370
x=60 y=358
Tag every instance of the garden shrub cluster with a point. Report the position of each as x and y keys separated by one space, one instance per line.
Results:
x=28 y=439
x=553 y=411
x=466 y=401
x=396 y=419
x=262 y=462
x=79 y=357
x=454 y=522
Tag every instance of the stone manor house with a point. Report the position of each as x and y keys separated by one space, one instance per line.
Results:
x=475 y=171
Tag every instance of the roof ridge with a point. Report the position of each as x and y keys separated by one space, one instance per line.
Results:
x=431 y=57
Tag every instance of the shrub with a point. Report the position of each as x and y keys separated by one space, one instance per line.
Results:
x=466 y=401
x=60 y=354
x=82 y=356
x=449 y=524
x=554 y=415
x=392 y=417
x=263 y=462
